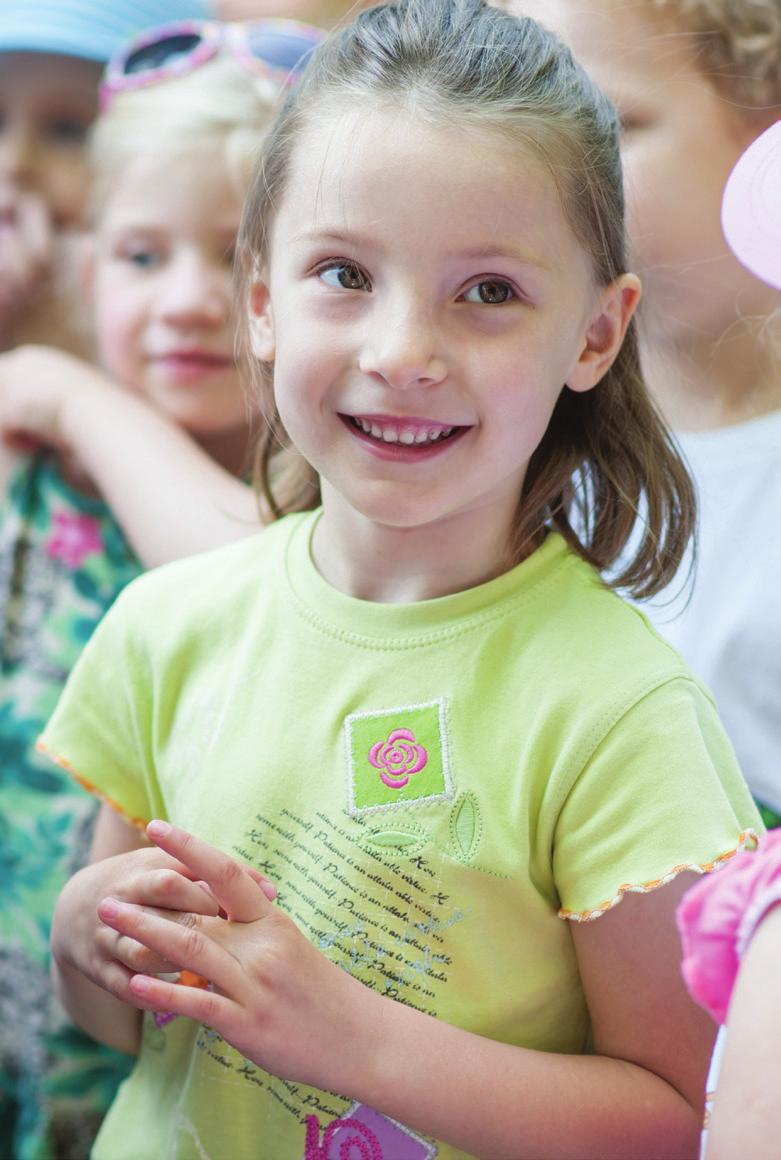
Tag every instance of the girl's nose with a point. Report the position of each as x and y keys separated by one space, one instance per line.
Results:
x=404 y=351
x=195 y=291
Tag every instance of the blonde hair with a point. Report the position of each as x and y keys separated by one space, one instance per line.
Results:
x=219 y=105
x=606 y=452
x=737 y=44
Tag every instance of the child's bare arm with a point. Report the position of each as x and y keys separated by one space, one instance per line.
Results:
x=170 y=497
x=745 y=1108
x=283 y=1004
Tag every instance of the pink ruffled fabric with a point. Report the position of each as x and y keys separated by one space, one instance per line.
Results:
x=717 y=918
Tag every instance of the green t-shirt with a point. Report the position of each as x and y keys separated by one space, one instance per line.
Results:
x=432 y=787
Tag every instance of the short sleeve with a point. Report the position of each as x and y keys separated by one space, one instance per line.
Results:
x=660 y=793
x=100 y=729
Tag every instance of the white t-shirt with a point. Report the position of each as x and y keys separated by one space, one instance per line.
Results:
x=730 y=629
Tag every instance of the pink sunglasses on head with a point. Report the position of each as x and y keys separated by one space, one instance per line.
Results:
x=275 y=48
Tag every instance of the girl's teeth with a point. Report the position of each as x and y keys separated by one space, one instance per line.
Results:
x=406 y=435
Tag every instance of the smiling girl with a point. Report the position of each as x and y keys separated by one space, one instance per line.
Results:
x=478 y=779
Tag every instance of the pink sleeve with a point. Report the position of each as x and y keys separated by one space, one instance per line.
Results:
x=717 y=918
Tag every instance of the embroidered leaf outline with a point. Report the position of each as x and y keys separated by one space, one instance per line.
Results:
x=405 y=840
x=465 y=828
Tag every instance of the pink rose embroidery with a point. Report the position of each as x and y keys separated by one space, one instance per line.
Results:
x=74 y=537
x=398 y=758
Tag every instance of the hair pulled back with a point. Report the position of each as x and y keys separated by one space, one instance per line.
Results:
x=606 y=454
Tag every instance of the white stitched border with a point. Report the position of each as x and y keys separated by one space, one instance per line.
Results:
x=441 y=704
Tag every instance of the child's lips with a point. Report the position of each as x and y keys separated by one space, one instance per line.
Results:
x=202 y=357
x=190 y=364
x=404 y=439
x=409 y=430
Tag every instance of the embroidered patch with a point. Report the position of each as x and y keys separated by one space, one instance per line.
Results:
x=398 y=756
x=367 y=1134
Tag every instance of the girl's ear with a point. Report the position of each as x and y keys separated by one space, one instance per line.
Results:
x=617 y=304
x=261 y=323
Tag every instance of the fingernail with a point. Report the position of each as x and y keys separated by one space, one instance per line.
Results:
x=158 y=829
x=108 y=908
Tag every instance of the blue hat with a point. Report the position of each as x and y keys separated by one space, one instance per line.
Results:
x=92 y=29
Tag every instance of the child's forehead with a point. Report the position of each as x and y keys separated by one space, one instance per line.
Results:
x=392 y=179
x=41 y=65
x=176 y=187
x=342 y=148
x=47 y=75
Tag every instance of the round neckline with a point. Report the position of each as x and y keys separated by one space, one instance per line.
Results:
x=337 y=613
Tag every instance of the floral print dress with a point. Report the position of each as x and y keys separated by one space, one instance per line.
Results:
x=63 y=560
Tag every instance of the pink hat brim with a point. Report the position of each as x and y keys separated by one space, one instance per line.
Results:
x=751 y=207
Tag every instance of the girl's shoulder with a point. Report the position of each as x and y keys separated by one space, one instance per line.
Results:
x=584 y=623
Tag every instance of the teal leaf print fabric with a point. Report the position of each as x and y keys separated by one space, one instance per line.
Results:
x=63 y=561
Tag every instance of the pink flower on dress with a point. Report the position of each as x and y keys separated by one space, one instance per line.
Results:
x=398 y=758
x=73 y=538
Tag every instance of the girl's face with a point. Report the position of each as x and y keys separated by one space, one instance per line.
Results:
x=47 y=104
x=680 y=140
x=424 y=304
x=162 y=288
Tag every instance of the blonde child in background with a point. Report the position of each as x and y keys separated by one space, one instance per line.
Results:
x=171 y=162
x=168 y=493
x=695 y=81
x=478 y=780
x=52 y=53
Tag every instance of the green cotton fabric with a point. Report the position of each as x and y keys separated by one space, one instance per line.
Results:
x=431 y=786
x=62 y=562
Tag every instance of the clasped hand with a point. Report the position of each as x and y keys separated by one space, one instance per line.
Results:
x=272 y=995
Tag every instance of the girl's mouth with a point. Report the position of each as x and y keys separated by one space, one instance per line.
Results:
x=402 y=440
x=418 y=433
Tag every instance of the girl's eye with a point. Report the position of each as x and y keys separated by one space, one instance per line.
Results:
x=345 y=275
x=492 y=292
x=144 y=259
x=68 y=131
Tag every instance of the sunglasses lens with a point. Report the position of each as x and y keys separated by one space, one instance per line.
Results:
x=282 y=50
x=161 y=53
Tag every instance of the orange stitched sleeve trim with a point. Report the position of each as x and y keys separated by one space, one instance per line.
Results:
x=744 y=838
x=58 y=759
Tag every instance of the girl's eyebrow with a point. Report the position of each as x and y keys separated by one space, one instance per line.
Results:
x=341 y=237
x=474 y=253
x=513 y=253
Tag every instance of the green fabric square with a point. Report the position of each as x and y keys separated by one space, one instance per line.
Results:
x=397 y=756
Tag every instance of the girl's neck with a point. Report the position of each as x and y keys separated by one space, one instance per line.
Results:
x=387 y=565
x=702 y=382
